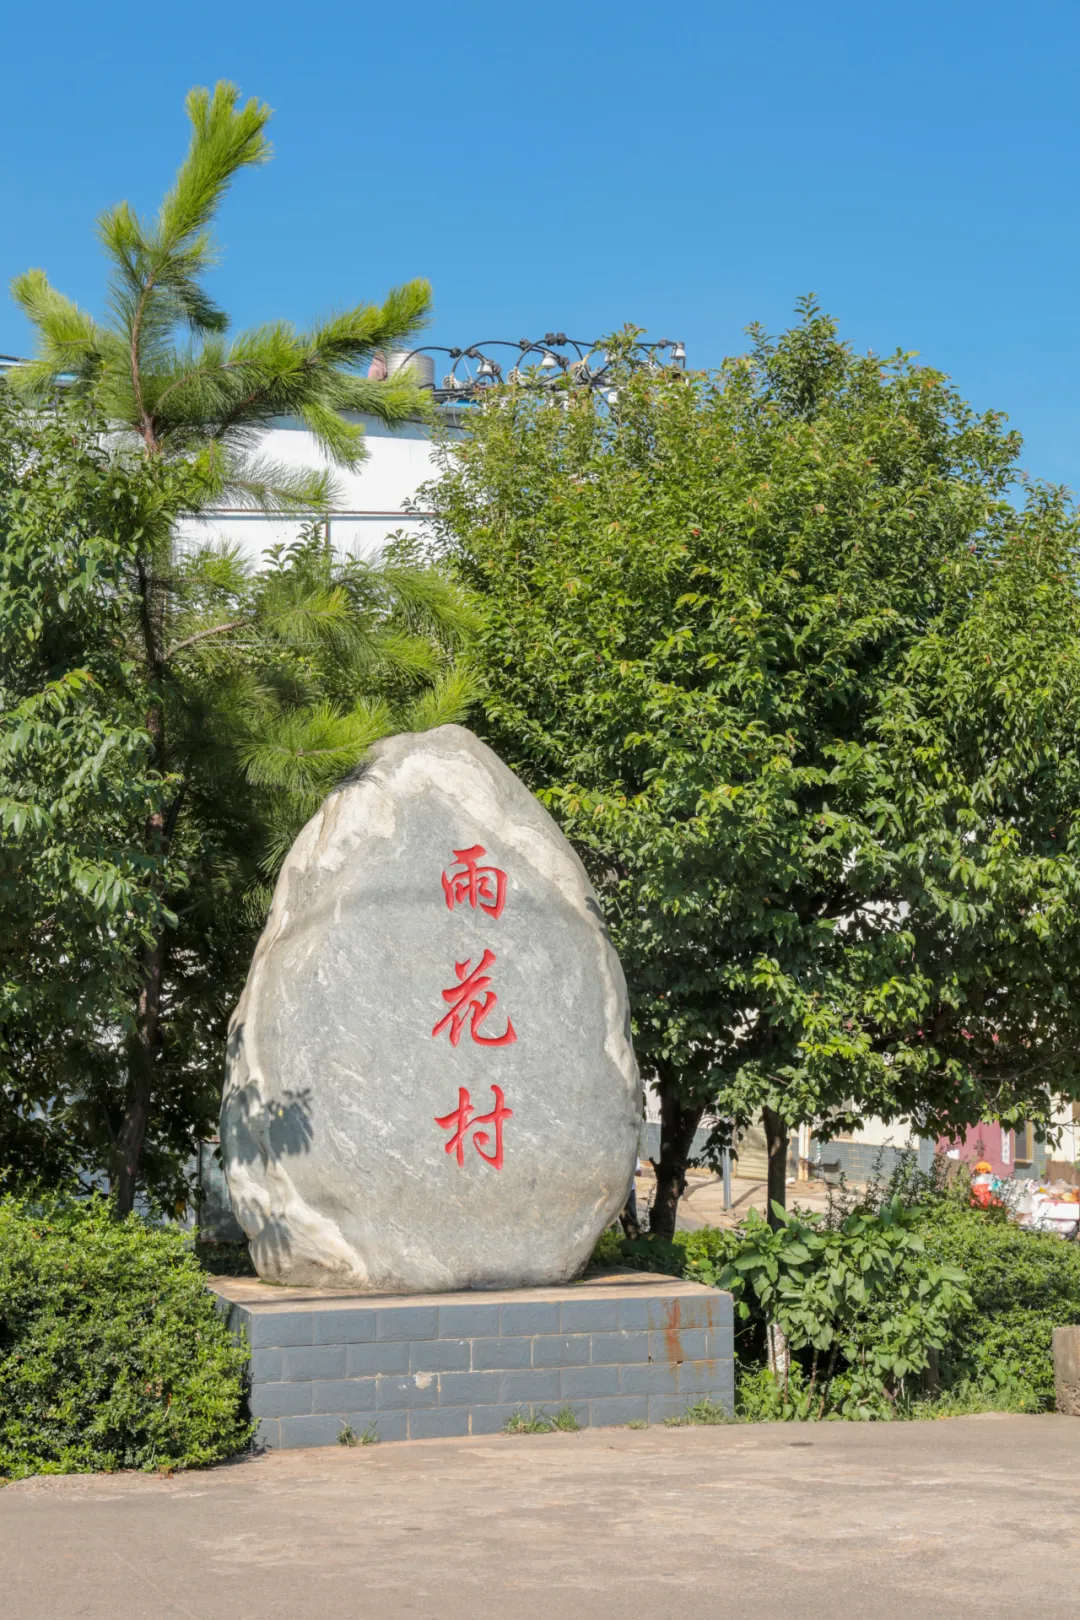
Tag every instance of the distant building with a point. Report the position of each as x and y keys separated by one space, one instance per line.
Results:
x=1023 y=1152
x=373 y=502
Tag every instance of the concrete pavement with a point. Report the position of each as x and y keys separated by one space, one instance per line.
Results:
x=702 y=1204
x=919 y=1521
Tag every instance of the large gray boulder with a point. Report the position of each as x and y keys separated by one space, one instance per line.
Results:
x=430 y=1078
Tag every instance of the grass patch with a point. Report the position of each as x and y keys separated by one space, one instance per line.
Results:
x=759 y=1398
x=972 y=1400
x=563 y=1421
x=638 y=1423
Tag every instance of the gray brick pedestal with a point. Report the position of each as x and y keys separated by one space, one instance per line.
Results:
x=614 y=1348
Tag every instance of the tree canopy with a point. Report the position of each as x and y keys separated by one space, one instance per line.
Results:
x=800 y=678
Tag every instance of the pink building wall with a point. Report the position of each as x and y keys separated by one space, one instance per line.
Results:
x=989 y=1141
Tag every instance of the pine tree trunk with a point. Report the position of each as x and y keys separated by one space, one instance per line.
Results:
x=776 y=1137
x=677 y=1126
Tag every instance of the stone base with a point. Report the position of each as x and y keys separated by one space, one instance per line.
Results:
x=1067 y=1370
x=616 y=1348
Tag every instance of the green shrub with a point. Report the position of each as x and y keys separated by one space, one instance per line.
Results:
x=112 y=1354
x=761 y=1398
x=651 y=1253
x=608 y=1251
x=224 y=1259
x=901 y=1286
x=1023 y=1284
x=861 y=1304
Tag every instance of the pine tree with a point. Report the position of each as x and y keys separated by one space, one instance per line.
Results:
x=260 y=690
x=162 y=368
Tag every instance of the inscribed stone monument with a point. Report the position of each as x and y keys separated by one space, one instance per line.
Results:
x=430 y=1084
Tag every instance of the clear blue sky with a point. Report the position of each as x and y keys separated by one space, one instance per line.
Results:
x=579 y=163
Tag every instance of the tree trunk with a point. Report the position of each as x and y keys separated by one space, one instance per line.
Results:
x=776 y=1138
x=677 y=1126
x=629 y=1219
x=141 y=1062
x=143 y=1047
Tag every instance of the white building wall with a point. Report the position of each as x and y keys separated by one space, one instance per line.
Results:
x=1065 y=1118
x=876 y=1133
x=369 y=505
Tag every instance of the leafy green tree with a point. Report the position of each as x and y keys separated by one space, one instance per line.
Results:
x=257 y=691
x=80 y=897
x=801 y=682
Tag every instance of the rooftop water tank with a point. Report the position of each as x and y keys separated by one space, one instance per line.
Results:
x=423 y=366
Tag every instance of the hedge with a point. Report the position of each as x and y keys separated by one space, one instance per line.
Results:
x=112 y=1353
x=1023 y=1284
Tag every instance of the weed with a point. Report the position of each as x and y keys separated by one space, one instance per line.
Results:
x=700 y=1412
x=637 y=1423
x=563 y=1421
x=349 y=1437
x=521 y=1423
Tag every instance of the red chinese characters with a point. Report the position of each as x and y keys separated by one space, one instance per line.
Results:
x=474 y=885
x=465 y=1118
x=470 y=1003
